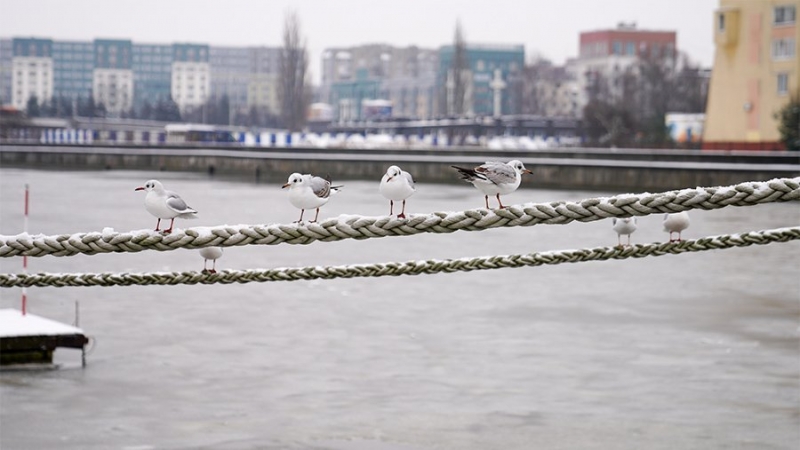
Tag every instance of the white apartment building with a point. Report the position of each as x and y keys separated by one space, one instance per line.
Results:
x=113 y=88
x=31 y=76
x=191 y=84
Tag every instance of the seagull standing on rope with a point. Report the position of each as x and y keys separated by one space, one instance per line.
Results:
x=397 y=185
x=165 y=204
x=309 y=192
x=675 y=223
x=622 y=226
x=495 y=178
x=212 y=253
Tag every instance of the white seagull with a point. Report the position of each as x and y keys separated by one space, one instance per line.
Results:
x=165 y=204
x=622 y=226
x=309 y=192
x=397 y=185
x=495 y=178
x=212 y=253
x=675 y=223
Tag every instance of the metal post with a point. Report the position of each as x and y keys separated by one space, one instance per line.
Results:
x=25 y=258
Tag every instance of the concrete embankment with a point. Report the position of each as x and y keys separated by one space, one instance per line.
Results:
x=590 y=169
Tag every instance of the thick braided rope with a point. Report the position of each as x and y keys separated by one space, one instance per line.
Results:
x=402 y=268
x=360 y=227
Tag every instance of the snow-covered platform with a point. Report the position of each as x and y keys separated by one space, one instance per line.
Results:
x=31 y=339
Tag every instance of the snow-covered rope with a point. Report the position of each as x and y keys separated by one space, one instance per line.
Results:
x=360 y=227
x=402 y=268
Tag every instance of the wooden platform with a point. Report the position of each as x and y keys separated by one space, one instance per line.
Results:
x=31 y=339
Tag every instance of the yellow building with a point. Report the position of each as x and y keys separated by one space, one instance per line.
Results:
x=756 y=71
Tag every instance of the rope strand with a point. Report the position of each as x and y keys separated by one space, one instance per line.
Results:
x=360 y=227
x=401 y=268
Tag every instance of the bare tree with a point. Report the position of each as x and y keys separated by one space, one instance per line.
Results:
x=293 y=93
x=460 y=66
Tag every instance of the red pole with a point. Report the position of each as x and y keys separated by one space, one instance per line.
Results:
x=25 y=258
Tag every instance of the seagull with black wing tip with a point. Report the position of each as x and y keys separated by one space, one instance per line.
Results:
x=626 y=226
x=309 y=192
x=165 y=204
x=397 y=185
x=495 y=178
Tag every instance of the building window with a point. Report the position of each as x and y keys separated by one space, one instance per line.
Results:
x=630 y=48
x=720 y=22
x=783 y=83
x=783 y=48
x=617 y=48
x=784 y=15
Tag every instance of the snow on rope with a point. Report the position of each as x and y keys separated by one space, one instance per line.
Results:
x=402 y=268
x=361 y=227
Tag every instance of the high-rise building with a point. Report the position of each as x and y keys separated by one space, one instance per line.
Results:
x=6 y=55
x=230 y=75
x=152 y=73
x=112 y=79
x=32 y=71
x=73 y=67
x=191 y=75
x=755 y=73
x=403 y=76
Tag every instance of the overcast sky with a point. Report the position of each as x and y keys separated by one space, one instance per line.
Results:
x=548 y=28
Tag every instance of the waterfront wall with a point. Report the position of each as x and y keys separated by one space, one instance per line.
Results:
x=611 y=172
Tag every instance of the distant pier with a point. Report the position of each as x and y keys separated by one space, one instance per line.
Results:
x=30 y=340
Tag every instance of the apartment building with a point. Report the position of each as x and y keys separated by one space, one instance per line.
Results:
x=755 y=73
x=31 y=70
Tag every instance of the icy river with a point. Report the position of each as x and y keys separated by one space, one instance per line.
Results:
x=692 y=351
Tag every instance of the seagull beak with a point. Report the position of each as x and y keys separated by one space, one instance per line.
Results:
x=529 y=172
x=286 y=185
x=139 y=189
x=389 y=179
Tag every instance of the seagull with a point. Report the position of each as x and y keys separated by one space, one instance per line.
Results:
x=495 y=178
x=212 y=253
x=622 y=226
x=165 y=204
x=397 y=185
x=307 y=192
x=675 y=223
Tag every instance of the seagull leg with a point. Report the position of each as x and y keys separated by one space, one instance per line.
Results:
x=629 y=240
x=486 y=197
x=169 y=230
x=391 y=207
x=158 y=224
x=402 y=214
x=213 y=266
x=316 y=217
x=301 y=216
x=499 y=202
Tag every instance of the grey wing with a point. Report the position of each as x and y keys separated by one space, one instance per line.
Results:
x=321 y=187
x=409 y=178
x=497 y=172
x=175 y=202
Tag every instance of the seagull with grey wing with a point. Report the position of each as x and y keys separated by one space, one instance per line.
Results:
x=397 y=185
x=309 y=192
x=495 y=178
x=165 y=204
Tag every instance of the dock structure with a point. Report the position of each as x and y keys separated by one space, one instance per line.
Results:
x=31 y=339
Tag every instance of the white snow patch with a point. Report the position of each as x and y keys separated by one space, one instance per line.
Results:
x=13 y=323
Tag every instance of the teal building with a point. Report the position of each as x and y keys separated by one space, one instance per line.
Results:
x=482 y=61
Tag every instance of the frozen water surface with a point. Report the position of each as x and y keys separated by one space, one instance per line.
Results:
x=694 y=351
